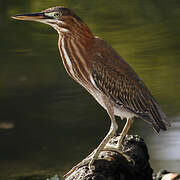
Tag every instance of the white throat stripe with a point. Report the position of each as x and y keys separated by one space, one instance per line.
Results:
x=67 y=57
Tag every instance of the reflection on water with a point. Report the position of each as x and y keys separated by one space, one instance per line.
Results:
x=48 y=122
x=170 y=145
x=167 y=153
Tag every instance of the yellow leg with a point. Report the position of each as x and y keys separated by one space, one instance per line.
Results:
x=118 y=148
x=94 y=155
x=109 y=135
x=124 y=131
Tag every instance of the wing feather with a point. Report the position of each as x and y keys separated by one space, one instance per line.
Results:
x=115 y=78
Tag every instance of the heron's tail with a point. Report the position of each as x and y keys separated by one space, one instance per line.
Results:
x=156 y=117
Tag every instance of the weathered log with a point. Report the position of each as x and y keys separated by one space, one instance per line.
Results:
x=112 y=165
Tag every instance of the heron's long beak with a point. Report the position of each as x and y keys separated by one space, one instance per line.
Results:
x=30 y=16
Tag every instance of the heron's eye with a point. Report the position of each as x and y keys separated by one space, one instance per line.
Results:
x=57 y=14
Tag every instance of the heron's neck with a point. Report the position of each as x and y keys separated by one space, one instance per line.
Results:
x=82 y=31
x=78 y=31
x=74 y=49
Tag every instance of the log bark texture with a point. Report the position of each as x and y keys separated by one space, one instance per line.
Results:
x=112 y=165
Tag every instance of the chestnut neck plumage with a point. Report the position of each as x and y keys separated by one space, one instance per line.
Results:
x=75 y=41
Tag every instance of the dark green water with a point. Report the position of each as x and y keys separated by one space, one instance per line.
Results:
x=48 y=123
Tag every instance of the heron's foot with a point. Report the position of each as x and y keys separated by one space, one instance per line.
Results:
x=82 y=163
x=116 y=142
x=93 y=157
x=115 y=149
x=116 y=145
x=88 y=160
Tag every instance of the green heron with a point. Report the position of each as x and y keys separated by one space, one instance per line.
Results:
x=96 y=66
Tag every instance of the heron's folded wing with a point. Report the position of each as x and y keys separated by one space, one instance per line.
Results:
x=115 y=78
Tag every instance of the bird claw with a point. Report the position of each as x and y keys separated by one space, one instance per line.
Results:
x=90 y=159
x=117 y=149
x=91 y=166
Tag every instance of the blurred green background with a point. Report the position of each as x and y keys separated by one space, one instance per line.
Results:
x=48 y=123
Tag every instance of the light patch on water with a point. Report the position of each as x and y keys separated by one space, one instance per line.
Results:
x=6 y=125
x=166 y=146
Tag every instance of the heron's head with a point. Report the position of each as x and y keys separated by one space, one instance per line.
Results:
x=60 y=18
